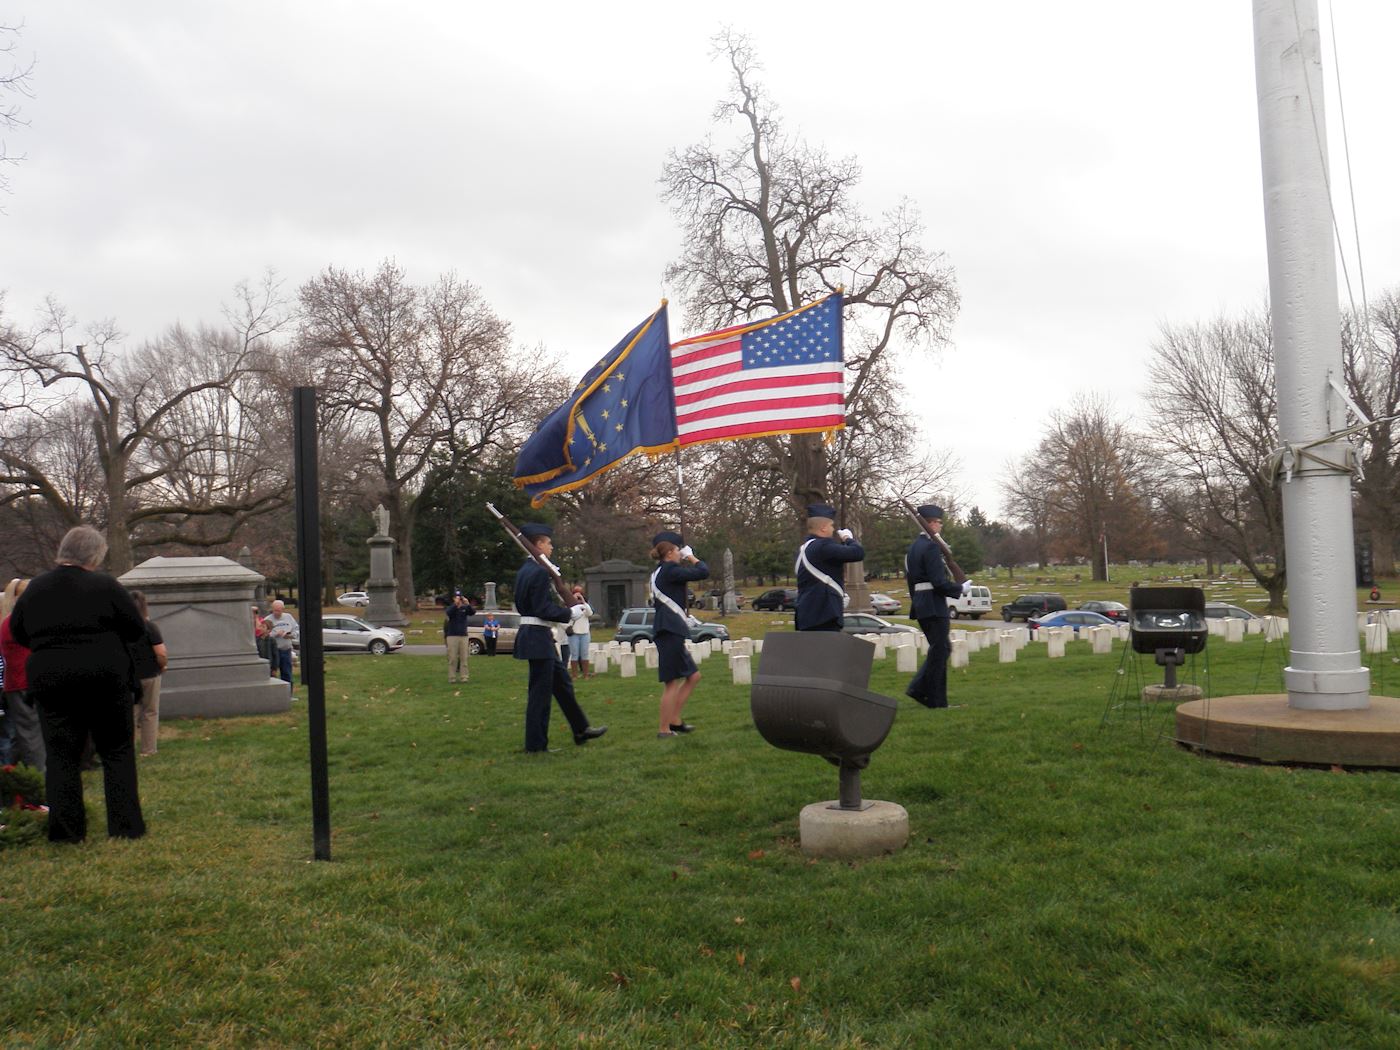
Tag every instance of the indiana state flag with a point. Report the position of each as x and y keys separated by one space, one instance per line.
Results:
x=623 y=405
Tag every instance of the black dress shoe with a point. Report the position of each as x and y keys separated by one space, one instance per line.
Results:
x=684 y=727
x=591 y=733
x=919 y=697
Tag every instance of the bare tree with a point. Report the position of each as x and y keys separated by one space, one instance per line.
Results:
x=1215 y=423
x=1371 y=365
x=430 y=374
x=1089 y=472
x=770 y=222
x=15 y=82
x=161 y=459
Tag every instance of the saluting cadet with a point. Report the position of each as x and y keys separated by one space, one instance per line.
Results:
x=677 y=566
x=930 y=587
x=536 y=642
x=820 y=561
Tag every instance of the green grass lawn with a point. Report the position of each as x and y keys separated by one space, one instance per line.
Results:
x=1070 y=880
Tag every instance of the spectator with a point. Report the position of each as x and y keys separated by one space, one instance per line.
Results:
x=490 y=632
x=454 y=632
x=149 y=657
x=79 y=622
x=579 y=638
x=285 y=633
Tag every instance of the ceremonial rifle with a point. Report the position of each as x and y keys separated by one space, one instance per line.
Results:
x=959 y=577
x=539 y=559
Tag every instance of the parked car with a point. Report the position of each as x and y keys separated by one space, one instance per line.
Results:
x=354 y=599
x=718 y=595
x=1116 y=611
x=864 y=623
x=635 y=624
x=505 y=637
x=342 y=633
x=1075 y=618
x=884 y=604
x=1027 y=605
x=975 y=604
x=779 y=599
x=1224 y=611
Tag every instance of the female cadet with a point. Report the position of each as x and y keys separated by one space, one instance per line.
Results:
x=679 y=676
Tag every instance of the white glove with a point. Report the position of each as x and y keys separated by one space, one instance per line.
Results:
x=575 y=611
x=686 y=552
x=551 y=565
x=845 y=534
x=966 y=588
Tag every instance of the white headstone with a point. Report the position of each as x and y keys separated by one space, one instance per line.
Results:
x=906 y=659
x=1054 y=645
x=1102 y=639
x=1377 y=638
x=600 y=662
x=743 y=674
x=1234 y=630
x=649 y=655
x=1392 y=619
x=958 y=657
x=1008 y=647
x=627 y=664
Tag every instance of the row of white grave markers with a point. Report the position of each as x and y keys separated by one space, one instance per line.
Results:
x=910 y=647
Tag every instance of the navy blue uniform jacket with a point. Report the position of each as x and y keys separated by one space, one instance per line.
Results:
x=816 y=602
x=671 y=579
x=534 y=596
x=924 y=564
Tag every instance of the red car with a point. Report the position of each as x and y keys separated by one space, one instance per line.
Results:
x=1116 y=611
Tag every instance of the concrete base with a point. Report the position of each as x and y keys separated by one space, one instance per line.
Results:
x=843 y=834
x=1267 y=729
x=1178 y=694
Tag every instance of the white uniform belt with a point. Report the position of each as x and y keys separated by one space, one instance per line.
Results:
x=925 y=586
x=535 y=621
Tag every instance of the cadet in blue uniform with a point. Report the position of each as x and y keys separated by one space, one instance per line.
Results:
x=930 y=587
x=820 y=566
x=535 y=641
x=674 y=666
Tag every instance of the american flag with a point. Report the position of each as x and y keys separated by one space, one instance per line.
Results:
x=780 y=376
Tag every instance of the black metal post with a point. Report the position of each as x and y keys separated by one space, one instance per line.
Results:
x=850 y=787
x=313 y=672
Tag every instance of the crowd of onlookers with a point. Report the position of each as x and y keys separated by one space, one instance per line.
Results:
x=81 y=677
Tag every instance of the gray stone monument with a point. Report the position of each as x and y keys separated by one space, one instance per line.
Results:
x=203 y=607
x=490 y=600
x=729 y=603
x=383 y=608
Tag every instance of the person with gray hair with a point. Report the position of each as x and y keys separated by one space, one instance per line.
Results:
x=284 y=633
x=78 y=622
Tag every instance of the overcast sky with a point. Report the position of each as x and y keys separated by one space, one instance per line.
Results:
x=1091 y=170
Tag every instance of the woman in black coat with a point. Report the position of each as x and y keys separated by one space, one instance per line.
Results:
x=78 y=623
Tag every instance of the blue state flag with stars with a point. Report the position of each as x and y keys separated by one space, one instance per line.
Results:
x=623 y=405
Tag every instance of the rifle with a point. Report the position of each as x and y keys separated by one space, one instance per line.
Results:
x=565 y=595
x=959 y=577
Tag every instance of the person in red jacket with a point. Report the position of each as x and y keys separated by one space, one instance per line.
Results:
x=21 y=718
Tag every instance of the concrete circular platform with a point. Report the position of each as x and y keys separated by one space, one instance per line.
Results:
x=849 y=834
x=1264 y=727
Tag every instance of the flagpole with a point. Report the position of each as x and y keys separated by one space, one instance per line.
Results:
x=680 y=495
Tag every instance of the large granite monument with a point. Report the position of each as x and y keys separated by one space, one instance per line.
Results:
x=203 y=607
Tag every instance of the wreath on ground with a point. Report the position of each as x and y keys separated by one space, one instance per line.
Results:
x=23 y=815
